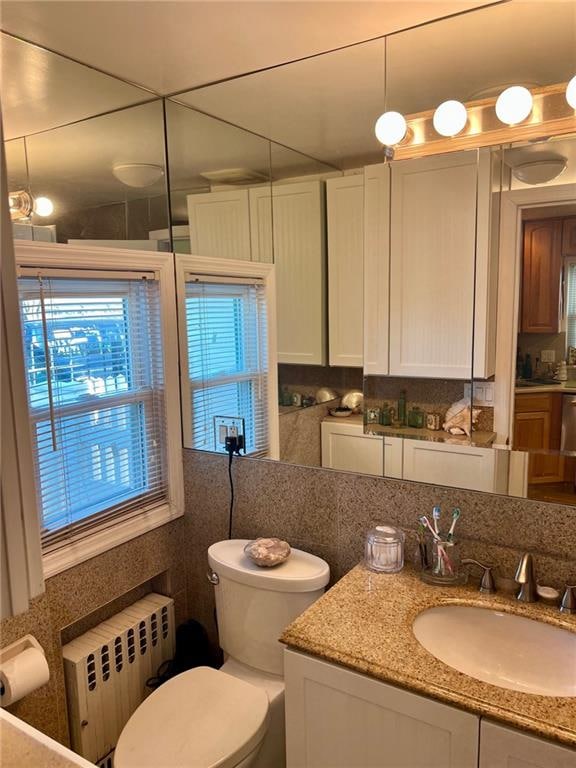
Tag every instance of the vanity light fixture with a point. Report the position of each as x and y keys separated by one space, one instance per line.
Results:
x=514 y=105
x=390 y=128
x=571 y=92
x=450 y=118
x=22 y=205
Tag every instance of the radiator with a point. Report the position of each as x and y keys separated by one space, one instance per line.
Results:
x=106 y=670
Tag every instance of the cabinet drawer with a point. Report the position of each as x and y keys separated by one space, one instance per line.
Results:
x=543 y=401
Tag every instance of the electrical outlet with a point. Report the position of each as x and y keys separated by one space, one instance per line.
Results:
x=483 y=393
x=227 y=426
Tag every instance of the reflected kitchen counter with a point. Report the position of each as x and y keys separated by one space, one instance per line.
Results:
x=568 y=387
x=478 y=439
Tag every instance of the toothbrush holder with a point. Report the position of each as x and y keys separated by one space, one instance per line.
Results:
x=444 y=564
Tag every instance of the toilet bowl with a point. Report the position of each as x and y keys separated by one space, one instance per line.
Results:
x=232 y=717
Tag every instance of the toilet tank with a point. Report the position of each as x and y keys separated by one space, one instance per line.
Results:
x=254 y=605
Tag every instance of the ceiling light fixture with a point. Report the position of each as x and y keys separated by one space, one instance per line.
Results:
x=138 y=174
x=22 y=205
x=390 y=128
x=540 y=171
x=450 y=118
x=571 y=92
x=514 y=105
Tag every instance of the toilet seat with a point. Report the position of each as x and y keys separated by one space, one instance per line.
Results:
x=202 y=718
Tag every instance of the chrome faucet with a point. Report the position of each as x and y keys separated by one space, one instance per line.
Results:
x=568 y=604
x=527 y=580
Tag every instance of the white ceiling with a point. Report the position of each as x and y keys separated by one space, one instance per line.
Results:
x=175 y=45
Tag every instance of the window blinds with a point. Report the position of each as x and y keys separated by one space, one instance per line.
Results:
x=571 y=304
x=93 y=357
x=227 y=347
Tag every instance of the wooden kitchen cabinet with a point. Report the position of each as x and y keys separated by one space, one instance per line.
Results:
x=537 y=427
x=541 y=276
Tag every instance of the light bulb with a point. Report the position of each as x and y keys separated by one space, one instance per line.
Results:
x=450 y=118
x=571 y=92
x=43 y=206
x=390 y=128
x=514 y=104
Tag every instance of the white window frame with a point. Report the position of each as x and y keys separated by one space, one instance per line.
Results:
x=104 y=536
x=234 y=269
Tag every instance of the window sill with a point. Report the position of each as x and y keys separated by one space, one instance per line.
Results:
x=99 y=541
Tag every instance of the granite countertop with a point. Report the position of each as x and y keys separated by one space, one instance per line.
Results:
x=21 y=745
x=478 y=439
x=365 y=623
x=563 y=387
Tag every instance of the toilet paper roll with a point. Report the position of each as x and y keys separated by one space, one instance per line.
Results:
x=22 y=674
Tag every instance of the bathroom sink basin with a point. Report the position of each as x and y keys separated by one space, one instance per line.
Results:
x=503 y=649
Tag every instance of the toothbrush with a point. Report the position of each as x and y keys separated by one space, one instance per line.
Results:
x=455 y=515
x=436 y=512
x=426 y=523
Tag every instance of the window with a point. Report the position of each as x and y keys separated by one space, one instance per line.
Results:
x=570 y=267
x=227 y=358
x=94 y=353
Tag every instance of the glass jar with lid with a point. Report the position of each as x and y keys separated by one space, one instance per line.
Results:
x=384 y=549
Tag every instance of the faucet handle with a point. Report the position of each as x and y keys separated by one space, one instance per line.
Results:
x=568 y=604
x=487 y=583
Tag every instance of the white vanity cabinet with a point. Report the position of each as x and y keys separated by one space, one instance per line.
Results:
x=336 y=718
x=502 y=747
x=434 y=235
x=346 y=447
x=458 y=466
x=345 y=230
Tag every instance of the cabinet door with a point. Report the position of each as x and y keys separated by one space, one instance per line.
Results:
x=345 y=217
x=336 y=718
x=569 y=237
x=346 y=447
x=541 y=276
x=537 y=427
x=299 y=257
x=376 y=268
x=502 y=747
x=220 y=224
x=261 y=224
x=459 y=466
x=432 y=265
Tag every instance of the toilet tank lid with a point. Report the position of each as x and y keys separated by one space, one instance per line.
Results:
x=302 y=572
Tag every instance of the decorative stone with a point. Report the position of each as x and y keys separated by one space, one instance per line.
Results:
x=267 y=552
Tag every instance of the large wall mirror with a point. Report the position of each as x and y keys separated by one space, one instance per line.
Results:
x=425 y=318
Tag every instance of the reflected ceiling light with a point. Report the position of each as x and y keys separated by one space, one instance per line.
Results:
x=571 y=92
x=43 y=206
x=22 y=205
x=514 y=105
x=450 y=118
x=138 y=174
x=540 y=171
x=390 y=128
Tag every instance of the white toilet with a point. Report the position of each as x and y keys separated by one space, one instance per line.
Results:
x=232 y=717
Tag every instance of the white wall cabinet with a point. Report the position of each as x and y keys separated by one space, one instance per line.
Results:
x=239 y=224
x=345 y=229
x=502 y=747
x=336 y=718
x=220 y=224
x=424 y=225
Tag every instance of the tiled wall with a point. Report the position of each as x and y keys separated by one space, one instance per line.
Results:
x=322 y=511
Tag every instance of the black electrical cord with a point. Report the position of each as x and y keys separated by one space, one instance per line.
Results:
x=231 y=511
